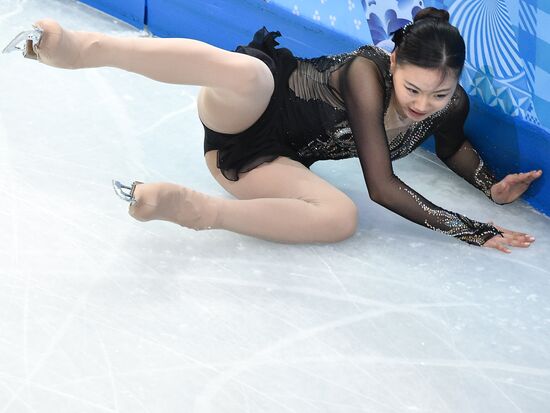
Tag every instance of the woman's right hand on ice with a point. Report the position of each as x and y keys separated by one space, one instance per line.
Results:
x=509 y=238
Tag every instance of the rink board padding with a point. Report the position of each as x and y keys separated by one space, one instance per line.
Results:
x=130 y=11
x=228 y=23
x=510 y=145
x=507 y=144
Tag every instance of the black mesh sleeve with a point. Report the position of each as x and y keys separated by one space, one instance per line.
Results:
x=454 y=149
x=361 y=84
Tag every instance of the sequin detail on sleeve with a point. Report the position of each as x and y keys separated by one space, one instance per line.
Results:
x=483 y=178
x=454 y=149
x=454 y=224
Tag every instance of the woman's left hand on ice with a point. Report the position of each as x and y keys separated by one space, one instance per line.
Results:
x=513 y=186
x=507 y=239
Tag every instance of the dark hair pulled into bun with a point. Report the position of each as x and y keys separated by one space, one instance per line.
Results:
x=432 y=13
x=430 y=42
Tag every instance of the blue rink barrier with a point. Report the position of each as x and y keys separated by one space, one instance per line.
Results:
x=510 y=145
x=130 y=11
x=507 y=144
x=228 y=23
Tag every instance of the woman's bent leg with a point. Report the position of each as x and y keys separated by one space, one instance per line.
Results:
x=280 y=201
x=284 y=201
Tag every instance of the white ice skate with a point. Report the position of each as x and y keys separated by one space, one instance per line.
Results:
x=125 y=195
x=26 y=42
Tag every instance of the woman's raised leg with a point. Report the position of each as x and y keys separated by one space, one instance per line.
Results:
x=237 y=87
x=279 y=201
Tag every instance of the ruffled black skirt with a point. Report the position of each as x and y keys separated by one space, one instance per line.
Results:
x=264 y=141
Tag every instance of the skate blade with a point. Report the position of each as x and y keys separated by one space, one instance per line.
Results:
x=25 y=41
x=119 y=190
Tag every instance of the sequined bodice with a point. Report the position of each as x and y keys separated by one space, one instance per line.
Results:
x=328 y=135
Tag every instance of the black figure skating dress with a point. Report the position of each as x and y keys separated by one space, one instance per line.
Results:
x=308 y=120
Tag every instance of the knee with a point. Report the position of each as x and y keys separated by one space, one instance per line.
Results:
x=341 y=221
x=257 y=78
x=347 y=222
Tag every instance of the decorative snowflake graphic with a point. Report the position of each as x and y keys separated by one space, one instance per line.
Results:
x=384 y=17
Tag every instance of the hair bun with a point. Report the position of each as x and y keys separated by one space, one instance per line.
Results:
x=432 y=13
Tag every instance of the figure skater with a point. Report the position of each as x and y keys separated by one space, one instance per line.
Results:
x=269 y=115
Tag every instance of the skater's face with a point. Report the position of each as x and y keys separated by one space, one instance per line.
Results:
x=420 y=92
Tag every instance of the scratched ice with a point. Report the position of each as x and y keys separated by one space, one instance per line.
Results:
x=101 y=313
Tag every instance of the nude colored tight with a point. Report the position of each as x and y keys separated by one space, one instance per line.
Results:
x=280 y=201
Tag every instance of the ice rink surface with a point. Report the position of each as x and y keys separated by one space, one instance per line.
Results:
x=102 y=313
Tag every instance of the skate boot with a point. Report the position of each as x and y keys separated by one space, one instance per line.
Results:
x=26 y=42
x=169 y=202
x=50 y=44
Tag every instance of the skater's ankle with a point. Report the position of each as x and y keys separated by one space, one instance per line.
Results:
x=91 y=49
x=177 y=204
x=66 y=48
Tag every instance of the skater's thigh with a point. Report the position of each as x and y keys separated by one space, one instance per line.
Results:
x=281 y=178
x=234 y=109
